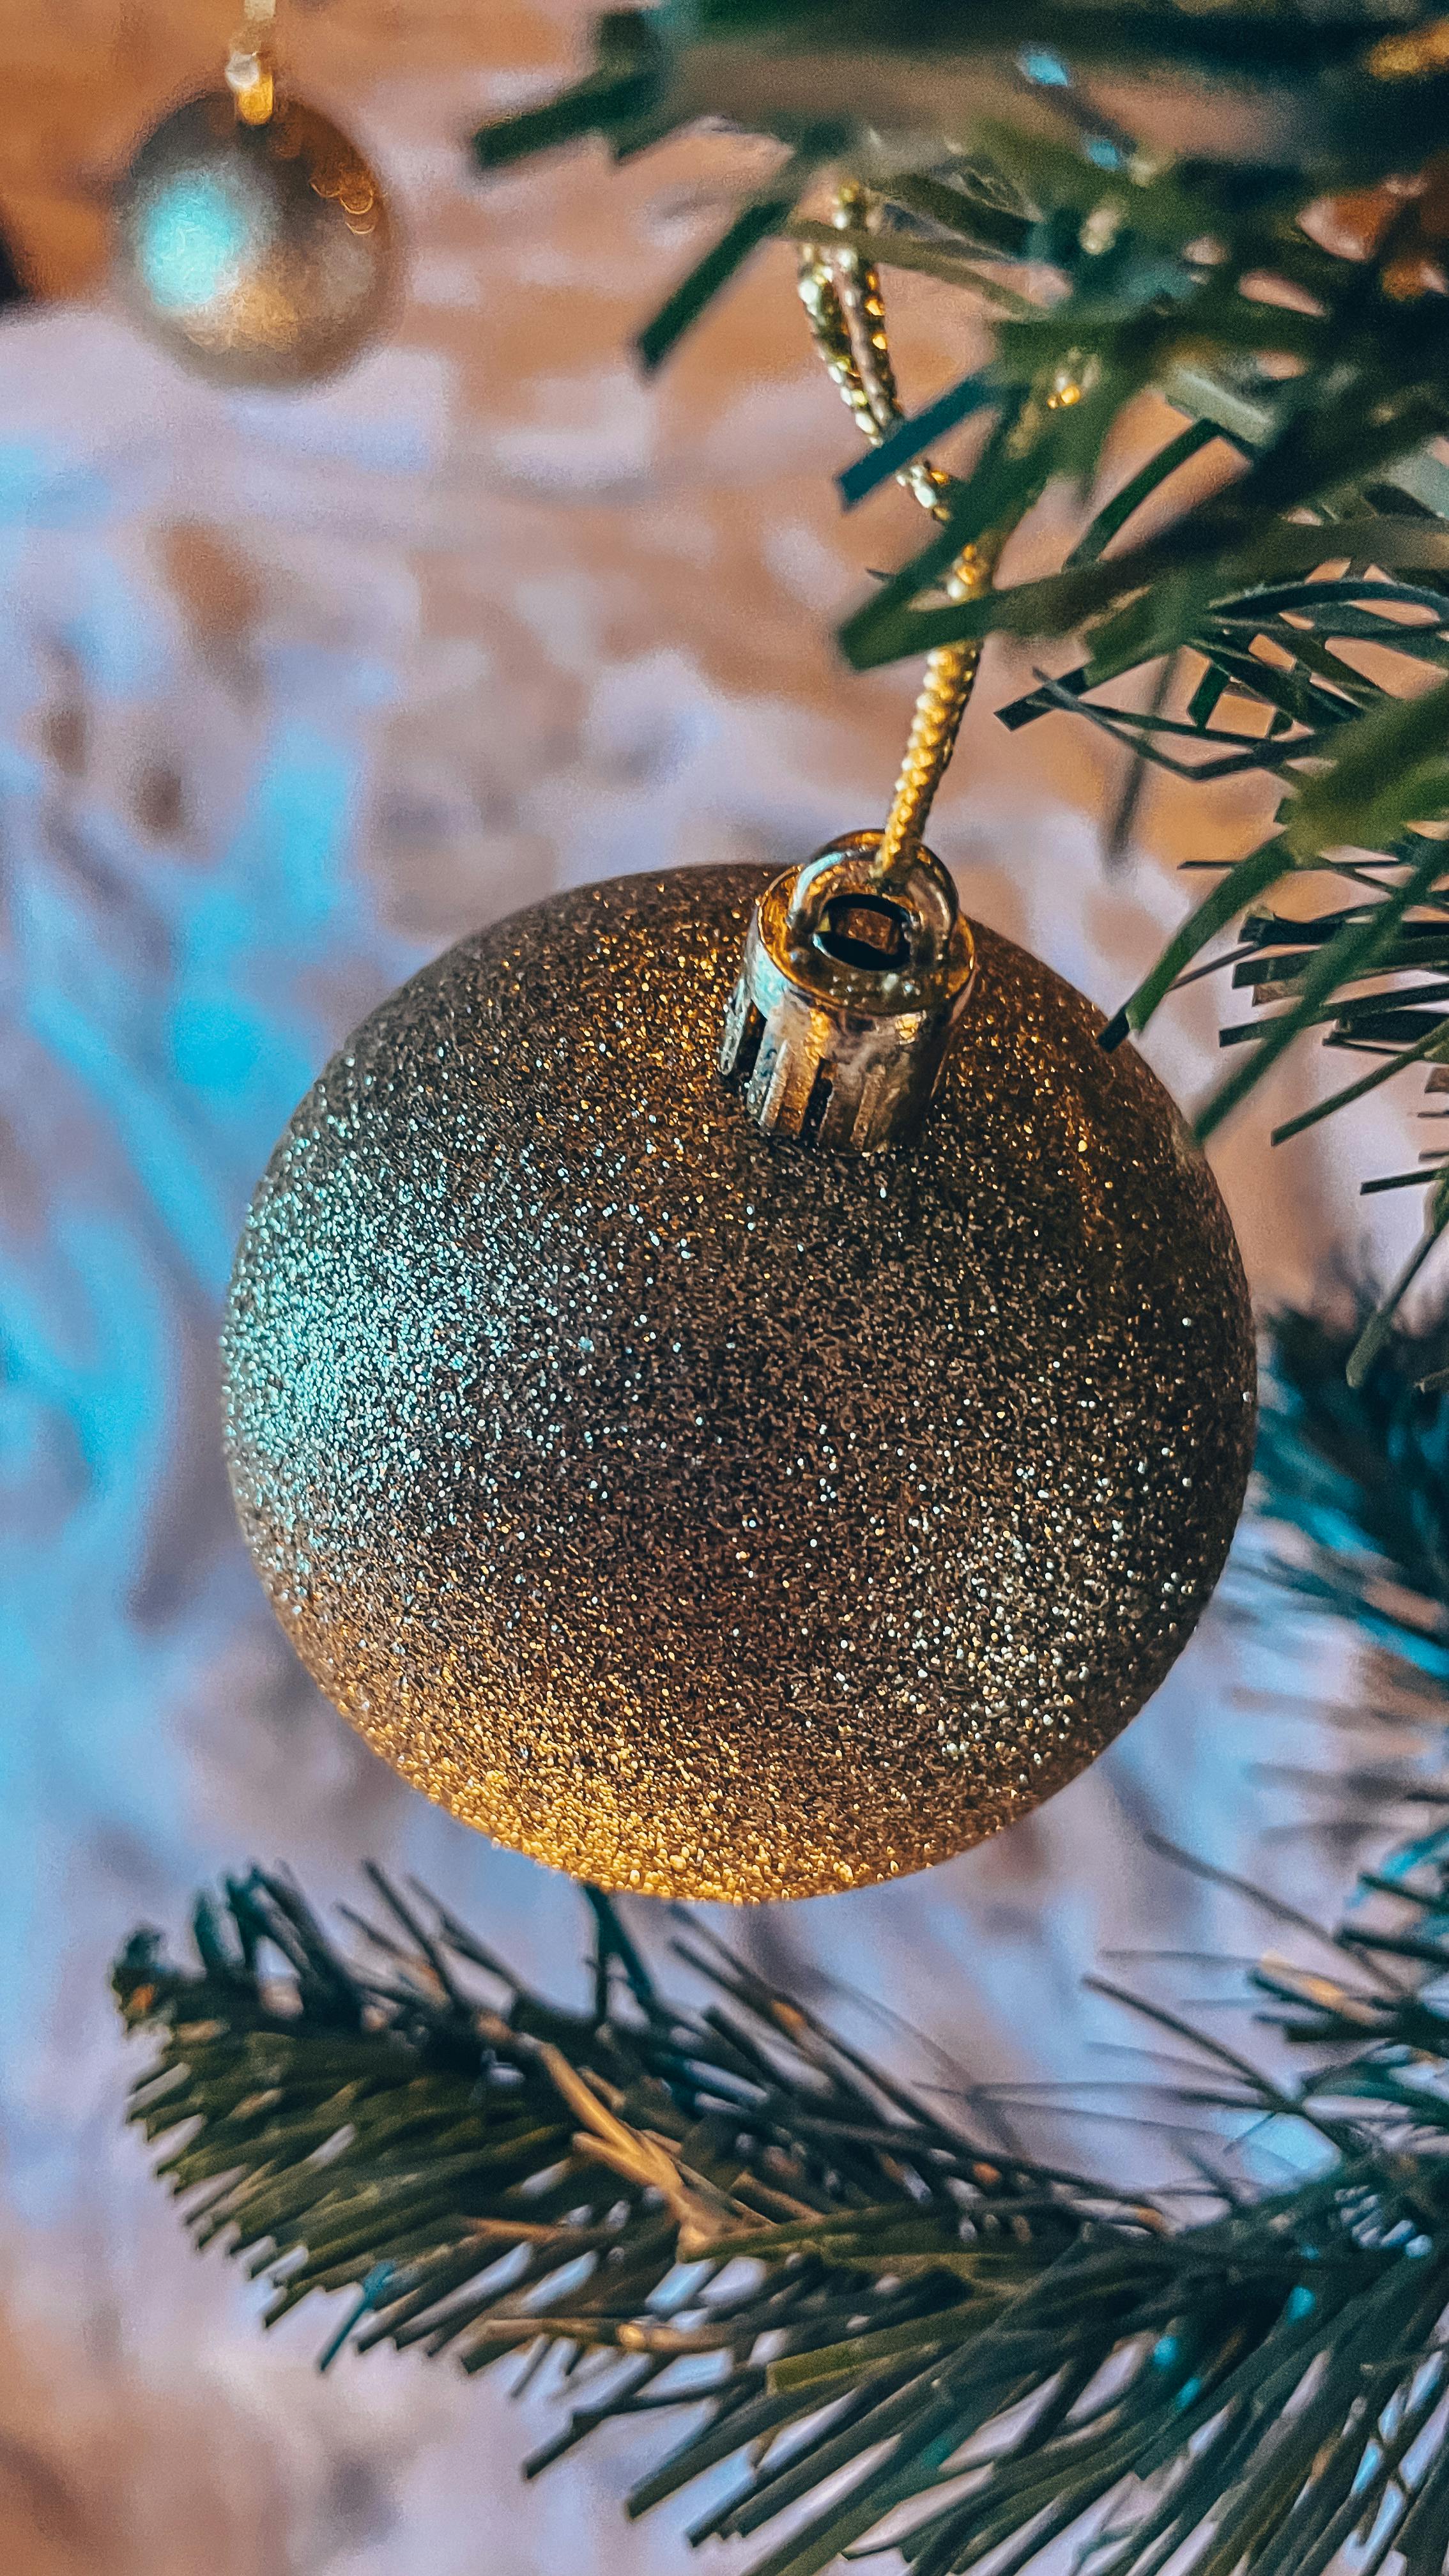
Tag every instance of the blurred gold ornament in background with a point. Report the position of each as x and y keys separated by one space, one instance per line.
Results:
x=255 y=246
x=698 y=1512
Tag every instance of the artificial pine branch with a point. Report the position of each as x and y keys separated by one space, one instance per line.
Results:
x=723 y=2210
x=1296 y=609
x=478 y=2125
x=735 y=2217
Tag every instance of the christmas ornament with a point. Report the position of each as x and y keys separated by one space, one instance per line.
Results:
x=711 y=1515
x=754 y=1486
x=252 y=239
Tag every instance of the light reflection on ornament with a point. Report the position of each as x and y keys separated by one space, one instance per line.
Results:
x=191 y=244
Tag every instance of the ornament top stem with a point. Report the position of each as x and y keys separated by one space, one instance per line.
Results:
x=857 y=966
x=848 y=996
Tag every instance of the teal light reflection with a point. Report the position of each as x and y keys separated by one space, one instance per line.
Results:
x=194 y=239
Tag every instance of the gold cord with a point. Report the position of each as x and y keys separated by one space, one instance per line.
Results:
x=945 y=695
x=841 y=293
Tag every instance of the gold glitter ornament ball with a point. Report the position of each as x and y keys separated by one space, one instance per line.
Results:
x=256 y=254
x=705 y=1515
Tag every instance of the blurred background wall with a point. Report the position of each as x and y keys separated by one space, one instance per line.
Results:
x=293 y=692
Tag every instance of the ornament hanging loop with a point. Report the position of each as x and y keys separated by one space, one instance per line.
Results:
x=857 y=966
x=848 y=997
x=836 y=906
x=944 y=697
x=841 y=292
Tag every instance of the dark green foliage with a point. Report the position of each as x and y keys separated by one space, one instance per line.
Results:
x=1297 y=74
x=1294 y=610
x=722 y=2211
x=1362 y=1475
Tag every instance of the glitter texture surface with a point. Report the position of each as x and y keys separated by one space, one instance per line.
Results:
x=699 y=1514
x=259 y=255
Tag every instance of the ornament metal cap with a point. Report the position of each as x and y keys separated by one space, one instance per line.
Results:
x=848 y=997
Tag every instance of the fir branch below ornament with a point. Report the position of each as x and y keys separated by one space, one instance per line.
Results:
x=725 y=2212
